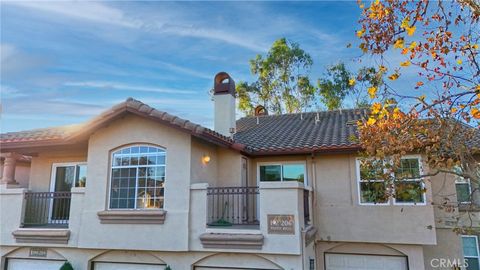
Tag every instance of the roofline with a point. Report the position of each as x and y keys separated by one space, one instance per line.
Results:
x=308 y=150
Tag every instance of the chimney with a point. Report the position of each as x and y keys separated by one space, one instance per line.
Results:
x=224 y=99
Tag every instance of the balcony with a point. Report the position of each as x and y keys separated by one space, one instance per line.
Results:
x=46 y=209
x=232 y=207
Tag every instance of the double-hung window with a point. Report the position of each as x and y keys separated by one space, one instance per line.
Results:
x=137 y=178
x=470 y=251
x=409 y=186
x=463 y=188
x=277 y=172
x=372 y=188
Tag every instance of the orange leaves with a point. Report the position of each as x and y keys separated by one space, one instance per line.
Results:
x=376 y=107
x=475 y=113
x=410 y=30
x=419 y=84
x=360 y=33
x=399 y=43
x=372 y=92
x=371 y=121
x=405 y=64
x=394 y=76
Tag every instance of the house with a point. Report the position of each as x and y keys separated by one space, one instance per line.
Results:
x=138 y=188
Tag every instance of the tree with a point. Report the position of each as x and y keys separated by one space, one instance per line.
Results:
x=440 y=115
x=340 y=84
x=282 y=84
x=66 y=266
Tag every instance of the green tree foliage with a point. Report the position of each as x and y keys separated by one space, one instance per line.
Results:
x=339 y=83
x=282 y=84
x=66 y=266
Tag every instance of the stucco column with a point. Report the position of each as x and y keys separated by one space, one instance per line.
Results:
x=8 y=176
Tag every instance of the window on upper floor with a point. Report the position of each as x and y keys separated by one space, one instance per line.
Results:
x=408 y=187
x=137 y=178
x=275 y=172
x=408 y=184
x=463 y=188
x=471 y=251
x=372 y=187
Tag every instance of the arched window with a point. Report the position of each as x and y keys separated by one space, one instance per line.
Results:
x=138 y=177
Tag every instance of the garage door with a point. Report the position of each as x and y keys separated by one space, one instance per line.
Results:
x=364 y=262
x=220 y=268
x=22 y=264
x=126 y=266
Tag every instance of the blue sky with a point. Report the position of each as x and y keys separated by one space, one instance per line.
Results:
x=65 y=62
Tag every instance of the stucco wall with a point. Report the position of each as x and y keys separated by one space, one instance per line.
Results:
x=340 y=217
x=173 y=235
x=41 y=166
x=202 y=172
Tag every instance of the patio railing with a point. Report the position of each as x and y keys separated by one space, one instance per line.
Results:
x=47 y=209
x=229 y=206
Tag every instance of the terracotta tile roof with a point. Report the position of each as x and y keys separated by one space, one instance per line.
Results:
x=67 y=134
x=328 y=130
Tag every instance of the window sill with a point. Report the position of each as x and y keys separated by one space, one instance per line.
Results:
x=132 y=216
x=44 y=236
x=232 y=240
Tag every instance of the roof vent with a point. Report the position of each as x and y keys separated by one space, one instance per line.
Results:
x=260 y=110
x=223 y=84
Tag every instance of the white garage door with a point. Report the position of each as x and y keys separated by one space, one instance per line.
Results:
x=22 y=264
x=220 y=268
x=126 y=266
x=364 y=262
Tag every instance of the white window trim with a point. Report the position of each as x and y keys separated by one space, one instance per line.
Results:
x=463 y=181
x=424 y=195
x=281 y=163
x=476 y=245
x=111 y=167
x=391 y=201
x=359 y=191
x=63 y=164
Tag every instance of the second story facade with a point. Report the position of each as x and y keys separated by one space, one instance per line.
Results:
x=287 y=190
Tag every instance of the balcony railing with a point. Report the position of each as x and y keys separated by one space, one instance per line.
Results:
x=47 y=209
x=229 y=206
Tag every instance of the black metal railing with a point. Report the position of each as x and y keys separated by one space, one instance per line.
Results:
x=229 y=206
x=306 y=206
x=47 y=209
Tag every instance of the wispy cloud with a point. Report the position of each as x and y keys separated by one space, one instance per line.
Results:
x=56 y=107
x=88 y=11
x=184 y=70
x=127 y=87
x=14 y=61
x=95 y=12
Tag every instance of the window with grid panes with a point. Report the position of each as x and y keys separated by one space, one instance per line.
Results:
x=137 y=178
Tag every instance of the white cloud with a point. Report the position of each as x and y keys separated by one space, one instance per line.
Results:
x=14 y=61
x=100 y=13
x=127 y=87
x=88 y=11
x=184 y=70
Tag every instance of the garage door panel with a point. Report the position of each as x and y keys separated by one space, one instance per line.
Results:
x=364 y=262
x=22 y=264
x=126 y=266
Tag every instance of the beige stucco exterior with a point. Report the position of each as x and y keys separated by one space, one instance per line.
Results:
x=342 y=224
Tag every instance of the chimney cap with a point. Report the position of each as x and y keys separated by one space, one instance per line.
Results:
x=260 y=110
x=223 y=84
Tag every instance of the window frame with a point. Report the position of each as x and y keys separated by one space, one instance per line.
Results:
x=359 y=186
x=392 y=200
x=281 y=163
x=110 y=172
x=53 y=173
x=422 y=182
x=476 y=245
x=464 y=182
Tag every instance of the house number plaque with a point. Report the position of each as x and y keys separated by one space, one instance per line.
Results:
x=38 y=252
x=281 y=224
